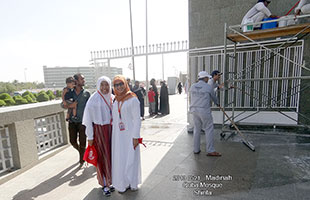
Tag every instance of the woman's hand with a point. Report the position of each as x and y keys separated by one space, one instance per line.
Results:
x=135 y=143
x=90 y=142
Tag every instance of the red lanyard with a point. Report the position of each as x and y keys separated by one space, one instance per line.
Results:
x=119 y=110
x=110 y=106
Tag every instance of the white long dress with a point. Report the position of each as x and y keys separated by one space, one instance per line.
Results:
x=126 y=164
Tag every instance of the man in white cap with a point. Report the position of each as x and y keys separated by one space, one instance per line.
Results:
x=201 y=94
x=257 y=13
x=303 y=7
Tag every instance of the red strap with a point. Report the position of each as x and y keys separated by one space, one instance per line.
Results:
x=292 y=8
x=110 y=106
x=119 y=110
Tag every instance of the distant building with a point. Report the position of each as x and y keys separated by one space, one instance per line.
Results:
x=54 y=77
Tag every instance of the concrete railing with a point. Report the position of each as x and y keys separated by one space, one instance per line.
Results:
x=28 y=131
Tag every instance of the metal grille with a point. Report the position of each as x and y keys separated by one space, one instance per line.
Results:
x=48 y=133
x=262 y=78
x=6 y=159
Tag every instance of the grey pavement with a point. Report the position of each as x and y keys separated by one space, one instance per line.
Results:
x=278 y=169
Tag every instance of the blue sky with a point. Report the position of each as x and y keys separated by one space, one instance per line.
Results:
x=63 y=32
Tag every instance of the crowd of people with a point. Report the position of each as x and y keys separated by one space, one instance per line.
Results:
x=110 y=121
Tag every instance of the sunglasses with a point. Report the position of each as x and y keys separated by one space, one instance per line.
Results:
x=118 y=84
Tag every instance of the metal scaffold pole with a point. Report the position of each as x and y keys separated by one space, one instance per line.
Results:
x=224 y=73
x=246 y=78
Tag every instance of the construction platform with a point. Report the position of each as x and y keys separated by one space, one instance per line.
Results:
x=270 y=33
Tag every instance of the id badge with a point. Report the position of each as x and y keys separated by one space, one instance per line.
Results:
x=121 y=126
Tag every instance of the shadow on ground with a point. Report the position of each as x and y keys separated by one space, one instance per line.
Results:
x=278 y=169
x=67 y=175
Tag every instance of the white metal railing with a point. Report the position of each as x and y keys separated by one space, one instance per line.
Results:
x=152 y=49
x=48 y=133
x=6 y=159
x=266 y=83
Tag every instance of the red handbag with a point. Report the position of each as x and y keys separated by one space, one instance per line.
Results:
x=90 y=155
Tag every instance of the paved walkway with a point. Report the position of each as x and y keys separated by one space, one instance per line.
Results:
x=278 y=169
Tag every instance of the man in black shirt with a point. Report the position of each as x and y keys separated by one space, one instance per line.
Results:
x=140 y=92
x=76 y=129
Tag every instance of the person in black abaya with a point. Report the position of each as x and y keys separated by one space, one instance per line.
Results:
x=140 y=92
x=164 y=99
x=154 y=87
x=180 y=87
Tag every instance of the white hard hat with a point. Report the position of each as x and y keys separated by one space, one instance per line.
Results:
x=203 y=74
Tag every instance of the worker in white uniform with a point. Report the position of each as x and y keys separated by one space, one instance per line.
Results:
x=257 y=13
x=201 y=94
x=303 y=7
x=216 y=75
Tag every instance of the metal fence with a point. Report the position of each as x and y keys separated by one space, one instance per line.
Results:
x=261 y=79
x=6 y=159
x=48 y=133
x=152 y=49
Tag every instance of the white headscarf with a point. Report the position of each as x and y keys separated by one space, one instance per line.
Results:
x=97 y=111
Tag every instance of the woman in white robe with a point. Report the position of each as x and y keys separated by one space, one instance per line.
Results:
x=126 y=164
x=98 y=121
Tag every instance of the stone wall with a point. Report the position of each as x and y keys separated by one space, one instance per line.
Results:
x=20 y=121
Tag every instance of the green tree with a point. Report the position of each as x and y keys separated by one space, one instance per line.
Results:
x=40 y=85
x=17 y=97
x=20 y=100
x=6 y=87
x=42 y=96
x=10 y=87
x=50 y=94
x=5 y=96
x=15 y=82
x=2 y=103
x=58 y=93
x=29 y=99
x=9 y=101
x=17 y=86
x=27 y=93
x=2 y=88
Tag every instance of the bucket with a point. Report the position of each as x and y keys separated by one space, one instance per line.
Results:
x=287 y=20
x=247 y=28
x=270 y=24
x=283 y=21
x=291 y=20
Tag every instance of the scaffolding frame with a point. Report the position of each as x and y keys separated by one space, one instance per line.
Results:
x=293 y=35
